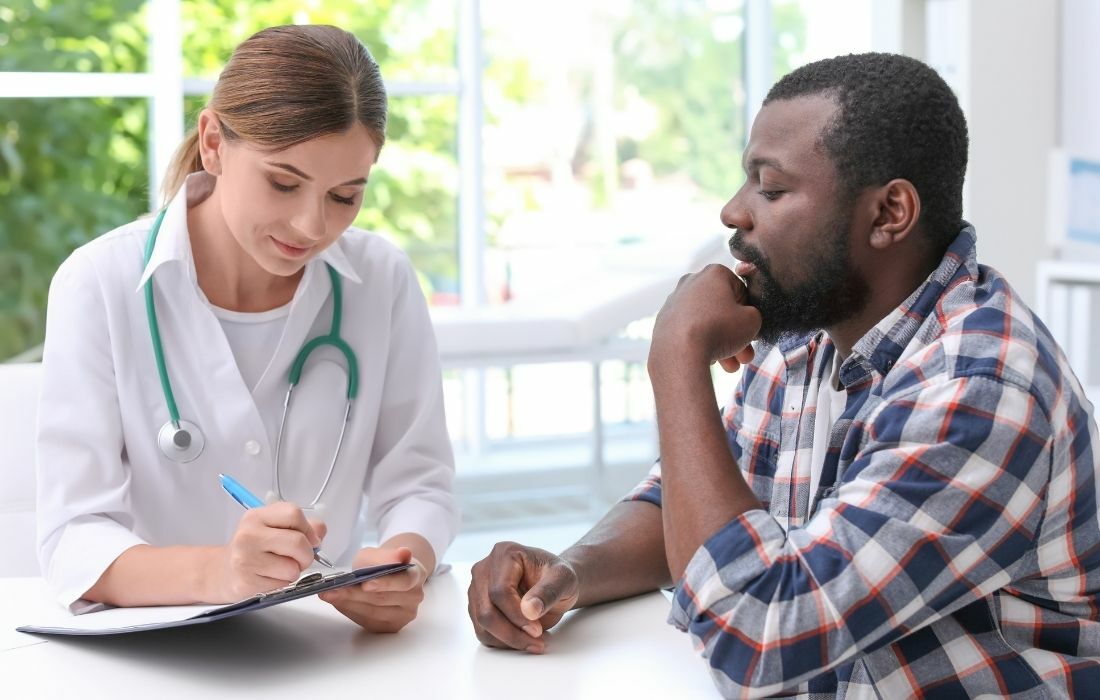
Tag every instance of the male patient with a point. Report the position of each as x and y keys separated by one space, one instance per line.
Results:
x=901 y=495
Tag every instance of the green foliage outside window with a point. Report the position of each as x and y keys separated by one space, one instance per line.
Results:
x=72 y=169
x=682 y=58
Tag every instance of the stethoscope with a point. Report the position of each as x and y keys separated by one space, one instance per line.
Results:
x=182 y=441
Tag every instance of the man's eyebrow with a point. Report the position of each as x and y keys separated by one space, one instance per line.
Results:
x=291 y=169
x=757 y=163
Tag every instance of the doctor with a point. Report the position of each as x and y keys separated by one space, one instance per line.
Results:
x=146 y=400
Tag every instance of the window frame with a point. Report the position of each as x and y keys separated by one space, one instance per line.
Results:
x=166 y=86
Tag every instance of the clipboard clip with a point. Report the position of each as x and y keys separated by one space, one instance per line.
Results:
x=314 y=580
x=306 y=580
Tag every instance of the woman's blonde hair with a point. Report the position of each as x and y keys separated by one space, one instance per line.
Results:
x=286 y=85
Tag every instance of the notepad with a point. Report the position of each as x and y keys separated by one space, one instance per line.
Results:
x=126 y=620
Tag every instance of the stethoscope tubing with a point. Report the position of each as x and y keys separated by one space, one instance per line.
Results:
x=182 y=441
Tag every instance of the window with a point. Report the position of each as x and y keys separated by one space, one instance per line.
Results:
x=533 y=148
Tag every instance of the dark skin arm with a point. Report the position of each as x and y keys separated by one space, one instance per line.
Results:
x=705 y=320
x=517 y=592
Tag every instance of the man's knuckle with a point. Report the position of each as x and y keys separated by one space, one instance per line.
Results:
x=485 y=616
x=500 y=592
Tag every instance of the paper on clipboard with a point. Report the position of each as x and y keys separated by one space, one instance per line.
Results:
x=126 y=620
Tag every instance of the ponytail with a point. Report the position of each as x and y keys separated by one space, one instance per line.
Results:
x=185 y=161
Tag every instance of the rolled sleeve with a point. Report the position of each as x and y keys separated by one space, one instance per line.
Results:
x=434 y=521
x=934 y=514
x=85 y=548
x=649 y=489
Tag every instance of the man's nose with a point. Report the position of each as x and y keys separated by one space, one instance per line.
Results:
x=735 y=215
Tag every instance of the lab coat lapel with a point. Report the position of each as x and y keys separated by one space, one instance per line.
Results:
x=302 y=324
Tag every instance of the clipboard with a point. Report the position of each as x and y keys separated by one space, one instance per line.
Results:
x=127 y=620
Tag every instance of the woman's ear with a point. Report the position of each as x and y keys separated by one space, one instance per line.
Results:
x=210 y=141
x=897 y=210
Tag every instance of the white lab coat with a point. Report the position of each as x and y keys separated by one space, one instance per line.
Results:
x=104 y=485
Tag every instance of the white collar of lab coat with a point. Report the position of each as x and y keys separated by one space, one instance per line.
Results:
x=174 y=243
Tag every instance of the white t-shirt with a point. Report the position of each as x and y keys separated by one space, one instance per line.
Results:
x=253 y=338
x=830 y=406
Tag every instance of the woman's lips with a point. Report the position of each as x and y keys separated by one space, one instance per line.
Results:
x=289 y=250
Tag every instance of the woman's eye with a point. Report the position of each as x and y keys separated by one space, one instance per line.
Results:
x=283 y=188
x=343 y=200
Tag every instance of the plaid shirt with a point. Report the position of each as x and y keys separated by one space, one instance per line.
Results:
x=952 y=548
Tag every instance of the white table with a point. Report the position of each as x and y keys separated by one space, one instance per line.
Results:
x=304 y=649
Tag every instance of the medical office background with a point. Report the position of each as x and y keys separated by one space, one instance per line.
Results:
x=551 y=169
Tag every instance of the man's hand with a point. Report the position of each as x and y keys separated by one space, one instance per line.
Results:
x=387 y=603
x=518 y=592
x=270 y=549
x=707 y=319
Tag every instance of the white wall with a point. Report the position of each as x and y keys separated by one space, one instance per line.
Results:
x=1081 y=77
x=1013 y=82
x=1003 y=59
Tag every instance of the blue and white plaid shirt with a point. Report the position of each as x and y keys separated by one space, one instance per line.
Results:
x=952 y=548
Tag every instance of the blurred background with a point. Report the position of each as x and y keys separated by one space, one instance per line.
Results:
x=551 y=169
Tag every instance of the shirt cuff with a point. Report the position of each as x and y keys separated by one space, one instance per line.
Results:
x=649 y=489
x=88 y=545
x=433 y=521
x=742 y=550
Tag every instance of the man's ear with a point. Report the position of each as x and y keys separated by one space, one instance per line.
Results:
x=896 y=211
x=211 y=140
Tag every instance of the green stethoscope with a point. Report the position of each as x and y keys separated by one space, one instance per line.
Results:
x=182 y=441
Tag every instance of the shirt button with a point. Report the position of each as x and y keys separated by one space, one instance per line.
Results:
x=252 y=447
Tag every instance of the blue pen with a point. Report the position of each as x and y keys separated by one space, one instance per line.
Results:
x=247 y=499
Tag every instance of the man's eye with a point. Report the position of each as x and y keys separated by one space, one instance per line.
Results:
x=771 y=195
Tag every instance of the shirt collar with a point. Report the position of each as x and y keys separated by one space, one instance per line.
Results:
x=881 y=346
x=174 y=243
x=334 y=255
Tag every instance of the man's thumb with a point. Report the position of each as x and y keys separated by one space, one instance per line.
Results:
x=531 y=607
x=544 y=595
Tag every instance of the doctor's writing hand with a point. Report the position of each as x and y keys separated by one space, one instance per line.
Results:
x=516 y=593
x=706 y=319
x=272 y=546
x=387 y=603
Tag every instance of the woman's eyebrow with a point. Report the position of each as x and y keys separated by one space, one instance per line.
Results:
x=291 y=169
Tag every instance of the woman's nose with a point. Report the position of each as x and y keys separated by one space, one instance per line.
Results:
x=310 y=222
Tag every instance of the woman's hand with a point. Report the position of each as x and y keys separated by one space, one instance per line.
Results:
x=387 y=603
x=273 y=544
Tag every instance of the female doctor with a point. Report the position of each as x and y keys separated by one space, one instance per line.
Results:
x=172 y=341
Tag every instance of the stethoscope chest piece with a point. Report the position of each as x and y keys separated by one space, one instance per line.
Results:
x=183 y=444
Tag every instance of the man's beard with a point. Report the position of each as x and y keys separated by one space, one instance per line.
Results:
x=834 y=291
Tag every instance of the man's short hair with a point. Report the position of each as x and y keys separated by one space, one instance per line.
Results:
x=897 y=118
